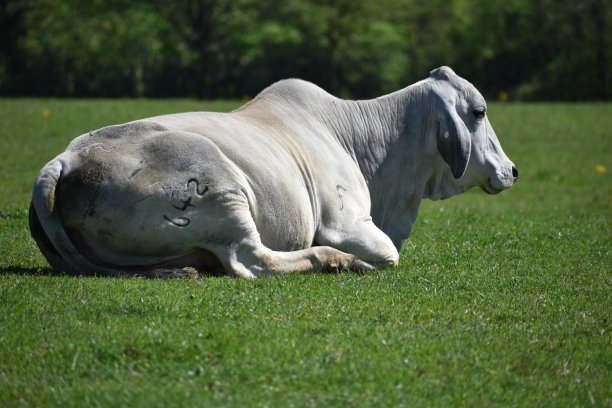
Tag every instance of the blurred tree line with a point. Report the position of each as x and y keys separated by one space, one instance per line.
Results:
x=531 y=49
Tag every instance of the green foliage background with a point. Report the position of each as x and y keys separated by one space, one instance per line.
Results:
x=532 y=49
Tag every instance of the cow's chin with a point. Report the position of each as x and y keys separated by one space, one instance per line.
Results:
x=488 y=188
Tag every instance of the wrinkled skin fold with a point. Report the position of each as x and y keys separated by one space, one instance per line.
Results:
x=295 y=180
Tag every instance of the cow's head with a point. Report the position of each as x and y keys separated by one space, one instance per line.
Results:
x=465 y=139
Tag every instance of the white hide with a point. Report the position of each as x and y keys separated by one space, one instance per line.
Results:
x=293 y=181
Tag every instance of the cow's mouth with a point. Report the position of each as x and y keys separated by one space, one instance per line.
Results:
x=489 y=189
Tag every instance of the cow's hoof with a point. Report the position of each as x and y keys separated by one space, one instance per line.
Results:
x=332 y=268
x=359 y=265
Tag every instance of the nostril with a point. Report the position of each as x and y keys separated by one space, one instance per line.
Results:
x=514 y=172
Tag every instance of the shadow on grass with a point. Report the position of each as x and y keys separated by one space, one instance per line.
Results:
x=47 y=271
x=20 y=270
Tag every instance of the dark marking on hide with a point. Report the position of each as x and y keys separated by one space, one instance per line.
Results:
x=199 y=191
x=186 y=203
x=197 y=187
x=167 y=190
x=78 y=193
x=178 y=221
x=135 y=172
x=339 y=190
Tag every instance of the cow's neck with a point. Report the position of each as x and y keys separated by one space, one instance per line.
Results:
x=374 y=132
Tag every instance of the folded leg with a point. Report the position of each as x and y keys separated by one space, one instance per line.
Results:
x=242 y=253
x=362 y=239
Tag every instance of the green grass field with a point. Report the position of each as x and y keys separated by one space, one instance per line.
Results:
x=498 y=301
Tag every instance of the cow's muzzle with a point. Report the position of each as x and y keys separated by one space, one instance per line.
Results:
x=497 y=185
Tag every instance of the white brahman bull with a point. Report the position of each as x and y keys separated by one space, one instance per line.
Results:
x=296 y=180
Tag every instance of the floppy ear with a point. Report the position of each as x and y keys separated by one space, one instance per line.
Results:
x=454 y=142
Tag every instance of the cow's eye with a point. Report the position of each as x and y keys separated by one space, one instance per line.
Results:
x=479 y=113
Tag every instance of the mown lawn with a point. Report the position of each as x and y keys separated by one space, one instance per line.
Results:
x=499 y=301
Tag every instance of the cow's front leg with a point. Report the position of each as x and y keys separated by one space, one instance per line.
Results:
x=362 y=239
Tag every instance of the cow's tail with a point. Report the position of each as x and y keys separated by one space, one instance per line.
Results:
x=47 y=228
x=54 y=242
